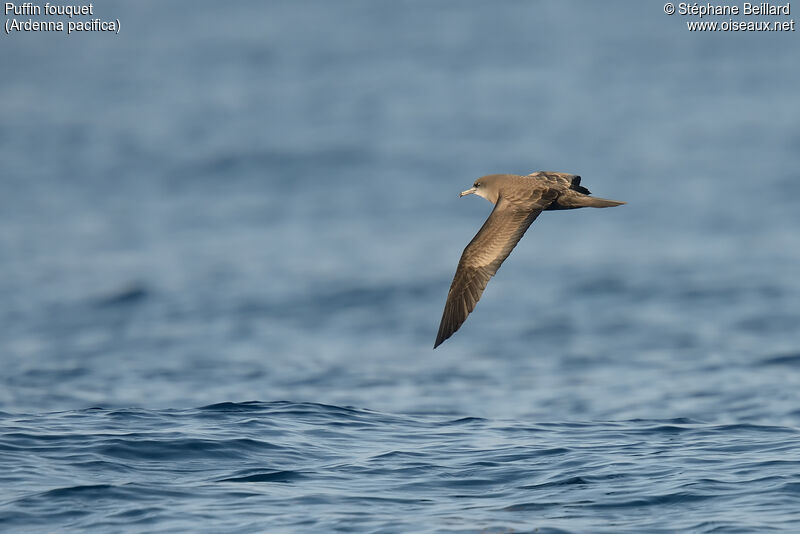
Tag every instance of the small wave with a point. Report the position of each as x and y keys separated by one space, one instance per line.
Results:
x=783 y=359
x=94 y=489
x=267 y=476
x=124 y=296
x=655 y=500
x=556 y=483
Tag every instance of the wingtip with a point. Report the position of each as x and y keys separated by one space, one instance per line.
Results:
x=441 y=337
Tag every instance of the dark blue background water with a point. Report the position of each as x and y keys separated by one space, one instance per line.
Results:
x=227 y=234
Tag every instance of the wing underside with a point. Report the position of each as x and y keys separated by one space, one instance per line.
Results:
x=480 y=261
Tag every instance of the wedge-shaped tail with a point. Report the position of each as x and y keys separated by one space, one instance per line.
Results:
x=597 y=202
x=570 y=200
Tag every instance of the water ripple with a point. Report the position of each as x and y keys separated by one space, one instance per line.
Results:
x=369 y=468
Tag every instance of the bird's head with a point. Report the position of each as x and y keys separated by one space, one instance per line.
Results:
x=487 y=187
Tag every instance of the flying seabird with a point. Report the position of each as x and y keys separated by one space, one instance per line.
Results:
x=517 y=200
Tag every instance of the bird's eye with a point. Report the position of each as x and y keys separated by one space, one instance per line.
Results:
x=476 y=184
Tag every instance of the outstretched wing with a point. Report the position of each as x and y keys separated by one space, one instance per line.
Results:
x=483 y=256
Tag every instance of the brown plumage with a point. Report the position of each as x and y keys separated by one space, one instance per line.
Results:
x=518 y=201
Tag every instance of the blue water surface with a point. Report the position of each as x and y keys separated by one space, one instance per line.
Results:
x=227 y=234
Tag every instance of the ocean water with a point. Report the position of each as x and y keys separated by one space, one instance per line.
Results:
x=227 y=235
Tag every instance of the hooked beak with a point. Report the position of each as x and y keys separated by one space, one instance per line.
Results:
x=467 y=192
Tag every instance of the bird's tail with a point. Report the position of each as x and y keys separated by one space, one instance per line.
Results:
x=569 y=200
x=597 y=202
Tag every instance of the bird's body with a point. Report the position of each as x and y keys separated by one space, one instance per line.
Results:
x=518 y=201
